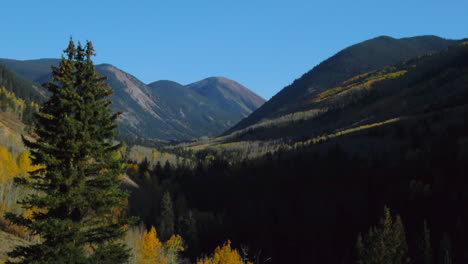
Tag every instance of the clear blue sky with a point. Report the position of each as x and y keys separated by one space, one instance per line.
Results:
x=262 y=44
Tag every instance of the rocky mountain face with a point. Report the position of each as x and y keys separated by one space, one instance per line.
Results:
x=163 y=109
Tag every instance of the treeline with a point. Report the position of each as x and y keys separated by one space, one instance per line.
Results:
x=309 y=204
x=148 y=248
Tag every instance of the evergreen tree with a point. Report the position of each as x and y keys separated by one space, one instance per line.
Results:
x=360 y=251
x=76 y=190
x=166 y=172
x=446 y=250
x=425 y=251
x=158 y=169
x=385 y=244
x=166 y=226
x=28 y=112
x=188 y=230
x=398 y=242
x=3 y=102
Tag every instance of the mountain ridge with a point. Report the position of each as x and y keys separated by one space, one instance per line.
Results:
x=356 y=59
x=148 y=111
x=413 y=88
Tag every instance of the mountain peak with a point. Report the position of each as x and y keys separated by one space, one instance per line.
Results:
x=228 y=93
x=384 y=37
x=164 y=83
x=218 y=79
x=222 y=83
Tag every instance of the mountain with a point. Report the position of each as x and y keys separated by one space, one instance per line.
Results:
x=164 y=109
x=360 y=58
x=228 y=95
x=201 y=114
x=436 y=82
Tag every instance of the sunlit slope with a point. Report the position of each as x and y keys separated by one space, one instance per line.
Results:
x=367 y=56
x=426 y=84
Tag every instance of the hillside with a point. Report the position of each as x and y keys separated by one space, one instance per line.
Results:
x=360 y=58
x=420 y=85
x=162 y=110
x=23 y=88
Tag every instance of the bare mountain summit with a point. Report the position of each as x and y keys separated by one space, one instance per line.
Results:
x=228 y=94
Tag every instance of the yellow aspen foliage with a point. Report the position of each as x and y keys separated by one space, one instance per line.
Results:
x=132 y=169
x=150 y=251
x=28 y=213
x=25 y=164
x=173 y=247
x=8 y=168
x=175 y=243
x=156 y=154
x=223 y=255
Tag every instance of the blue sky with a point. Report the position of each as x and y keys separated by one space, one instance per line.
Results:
x=264 y=45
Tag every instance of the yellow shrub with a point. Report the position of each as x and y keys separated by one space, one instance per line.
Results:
x=223 y=255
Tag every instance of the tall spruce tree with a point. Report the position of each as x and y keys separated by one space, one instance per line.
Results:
x=166 y=225
x=76 y=194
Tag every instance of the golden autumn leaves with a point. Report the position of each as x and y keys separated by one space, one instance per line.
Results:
x=224 y=255
x=153 y=251
x=12 y=167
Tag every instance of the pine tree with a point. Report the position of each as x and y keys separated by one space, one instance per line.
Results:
x=425 y=250
x=385 y=244
x=76 y=189
x=166 y=227
x=360 y=250
x=188 y=229
x=399 y=244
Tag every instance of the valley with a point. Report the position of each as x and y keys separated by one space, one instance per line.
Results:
x=369 y=146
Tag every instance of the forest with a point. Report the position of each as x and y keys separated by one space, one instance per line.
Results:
x=372 y=170
x=325 y=200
